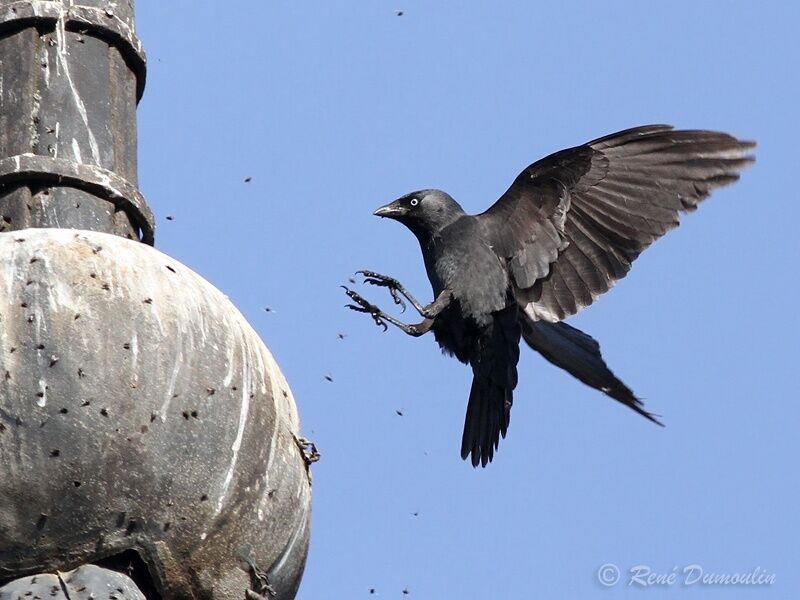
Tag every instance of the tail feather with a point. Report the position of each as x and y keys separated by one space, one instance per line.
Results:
x=494 y=367
x=579 y=354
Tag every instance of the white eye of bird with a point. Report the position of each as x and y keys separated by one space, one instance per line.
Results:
x=414 y=202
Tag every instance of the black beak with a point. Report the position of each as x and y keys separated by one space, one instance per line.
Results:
x=391 y=211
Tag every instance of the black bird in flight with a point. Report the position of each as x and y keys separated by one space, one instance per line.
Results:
x=566 y=230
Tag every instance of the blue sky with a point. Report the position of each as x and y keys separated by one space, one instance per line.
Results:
x=334 y=108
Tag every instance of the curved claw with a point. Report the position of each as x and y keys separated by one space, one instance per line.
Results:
x=380 y=322
x=397 y=299
x=373 y=278
x=364 y=306
x=372 y=313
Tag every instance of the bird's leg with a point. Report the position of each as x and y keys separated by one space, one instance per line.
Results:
x=437 y=306
x=381 y=318
x=396 y=289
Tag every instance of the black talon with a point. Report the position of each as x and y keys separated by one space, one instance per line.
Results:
x=396 y=290
x=379 y=322
x=364 y=306
x=373 y=278
x=397 y=299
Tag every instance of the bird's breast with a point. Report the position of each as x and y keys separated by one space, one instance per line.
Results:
x=475 y=275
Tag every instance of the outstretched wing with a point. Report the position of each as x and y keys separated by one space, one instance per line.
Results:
x=572 y=223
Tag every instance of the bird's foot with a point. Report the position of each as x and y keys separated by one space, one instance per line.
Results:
x=394 y=286
x=381 y=318
x=364 y=306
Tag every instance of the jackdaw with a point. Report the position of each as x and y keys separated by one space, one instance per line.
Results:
x=566 y=230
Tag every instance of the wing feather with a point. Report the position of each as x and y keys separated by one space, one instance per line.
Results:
x=572 y=223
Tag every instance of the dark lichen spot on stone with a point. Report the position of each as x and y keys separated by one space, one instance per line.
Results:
x=185 y=415
x=170 y=269
x=194 y=413
x=93 y=275
x=41 y=521
x=40 y=394
x=106 y=287
x=40 y=346
x=166 y=526
x=64 y=410
x=126 y=345
x=77 y=316
x=211 y=391
x=204 y=497
x=77 y=484
x=86 y=403
x=81 y=374
x=12 y=350
x=55 y=453
x=153 y=416
x=34 y=259
x=148 y=300
x=104 y=412
x=131 y=527
x=24 y=304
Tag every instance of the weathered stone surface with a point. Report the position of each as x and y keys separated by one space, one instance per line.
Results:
x=139 y=410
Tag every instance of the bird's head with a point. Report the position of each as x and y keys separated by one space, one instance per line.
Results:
x=424 y=212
